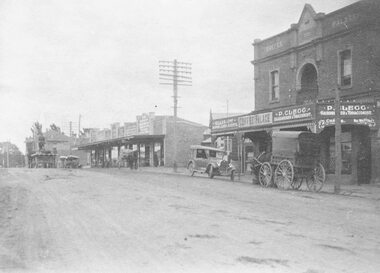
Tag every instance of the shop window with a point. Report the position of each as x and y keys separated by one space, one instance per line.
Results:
x=345 y=68
x=228 y=144
x=249 y=153
x=274 y=86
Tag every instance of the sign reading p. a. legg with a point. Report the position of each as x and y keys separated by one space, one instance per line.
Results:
x=347 y=110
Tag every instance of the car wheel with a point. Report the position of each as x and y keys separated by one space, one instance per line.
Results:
x=211 y=172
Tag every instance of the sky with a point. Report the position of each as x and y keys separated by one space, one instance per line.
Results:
x=99 y=58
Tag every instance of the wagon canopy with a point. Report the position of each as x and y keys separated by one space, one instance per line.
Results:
x=296 y=142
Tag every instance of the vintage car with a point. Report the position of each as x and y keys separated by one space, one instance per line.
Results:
x=210 y=160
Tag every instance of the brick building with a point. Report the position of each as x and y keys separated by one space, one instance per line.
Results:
x=296 y=73
x=309 y=60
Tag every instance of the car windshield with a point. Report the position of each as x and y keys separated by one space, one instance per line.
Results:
x=216 y=154
x=201 y=153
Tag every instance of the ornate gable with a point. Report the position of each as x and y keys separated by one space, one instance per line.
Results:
x=308 y=26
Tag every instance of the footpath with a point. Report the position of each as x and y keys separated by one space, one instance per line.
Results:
x=369 y=191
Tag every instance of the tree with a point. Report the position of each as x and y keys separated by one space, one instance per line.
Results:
x=55 y=128
x=9 y=151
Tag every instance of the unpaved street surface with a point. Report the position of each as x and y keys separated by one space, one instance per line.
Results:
x=55 y=220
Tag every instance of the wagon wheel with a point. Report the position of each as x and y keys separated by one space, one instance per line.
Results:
x=297 y=182
x=265 y=175
x=284 y=175
x=317 y=179
x=191 y=168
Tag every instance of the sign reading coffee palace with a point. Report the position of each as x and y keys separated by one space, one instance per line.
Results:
x=244 y=121
x=255 y=120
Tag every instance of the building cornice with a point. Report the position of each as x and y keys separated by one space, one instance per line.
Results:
x=314 y=43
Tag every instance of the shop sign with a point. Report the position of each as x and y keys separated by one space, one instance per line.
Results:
x=348 y=110
x=130 y=129
x=351 y=113
x=293 y=114
x=322 y=123
x=255 y=120
x=225 y=123
x=145 y=123
x=250 y=120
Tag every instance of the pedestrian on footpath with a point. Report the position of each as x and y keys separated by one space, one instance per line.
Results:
x=130 y=160
x=135 y=159
x=155 y=159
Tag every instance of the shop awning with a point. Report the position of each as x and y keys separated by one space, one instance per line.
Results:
x=136 y=139
x=310 y=125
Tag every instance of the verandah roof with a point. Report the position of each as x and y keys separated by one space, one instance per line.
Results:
x=107 y=143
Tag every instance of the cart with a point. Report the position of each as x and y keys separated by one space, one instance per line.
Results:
x=294 y=159
x=261 y=169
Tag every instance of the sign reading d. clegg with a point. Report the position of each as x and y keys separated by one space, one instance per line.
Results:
x=304 y=112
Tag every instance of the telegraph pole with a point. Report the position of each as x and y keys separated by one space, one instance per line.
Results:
x=228 y=138
x=79 y=125
x=176 y=74
x=71 y=128
x=338 y=149
x=8 y=153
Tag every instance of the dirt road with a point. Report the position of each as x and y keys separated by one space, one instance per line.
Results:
x=55 y=220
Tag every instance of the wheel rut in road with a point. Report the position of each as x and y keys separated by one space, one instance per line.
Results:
x=85 y=221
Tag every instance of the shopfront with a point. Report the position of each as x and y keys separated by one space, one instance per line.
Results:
x=359 y=123
x=295 y=118
x=149 y=150
x=256 y=133
x=224 y=134
x=251 y=134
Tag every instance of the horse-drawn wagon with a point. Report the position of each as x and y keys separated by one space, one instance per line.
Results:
x=294 y=158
